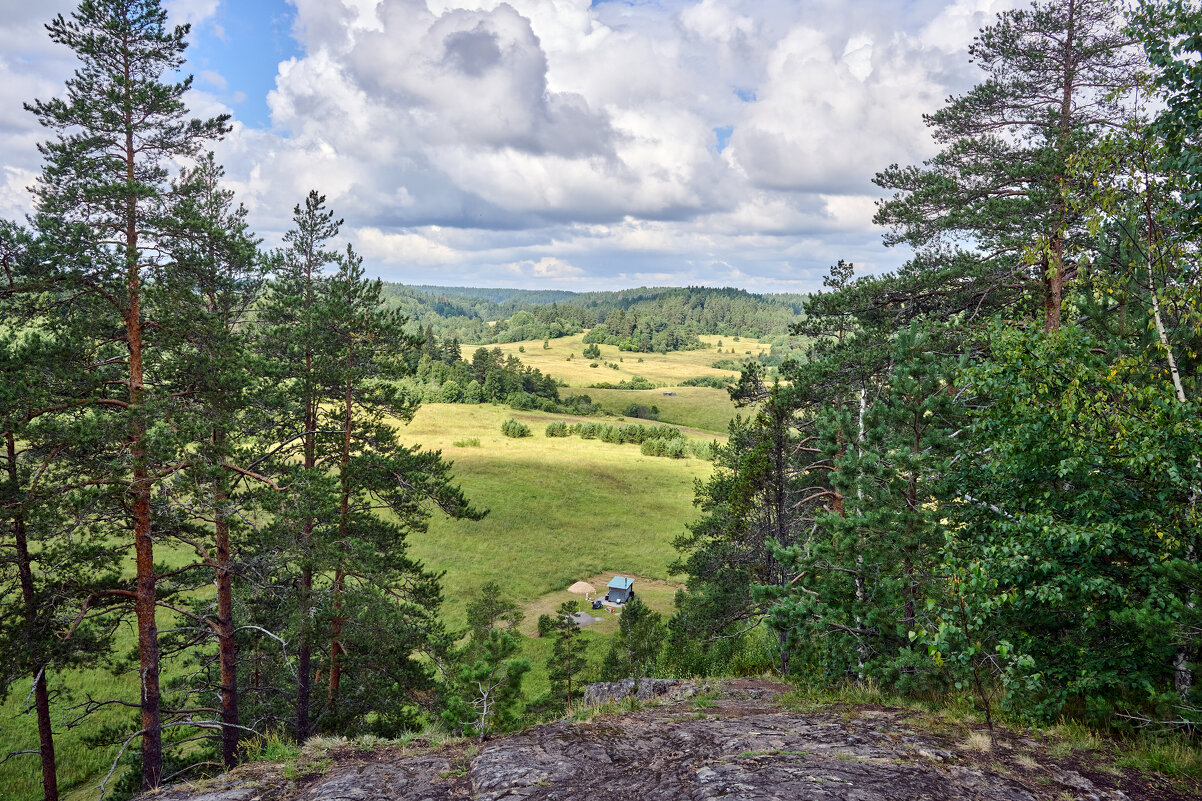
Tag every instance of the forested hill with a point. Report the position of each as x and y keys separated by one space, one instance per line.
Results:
x=499 y=295
x=645 y=318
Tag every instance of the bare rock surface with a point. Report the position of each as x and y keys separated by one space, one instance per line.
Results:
x=694 y=742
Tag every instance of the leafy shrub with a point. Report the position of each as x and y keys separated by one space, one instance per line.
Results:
x=473 y=442
x=592 y=351
x=512 y=428
x=580 y=404
x=558 y=429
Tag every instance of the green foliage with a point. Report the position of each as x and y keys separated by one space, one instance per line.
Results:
x=515 y=429
x=486 y=691
x=641 y=633
x=567 y=660
x=639 y=411
x=635 y=382
x=716 y=382
x=558 y=429
x=1080 y=518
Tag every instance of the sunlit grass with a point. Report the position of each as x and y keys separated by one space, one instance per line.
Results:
x=667 y=369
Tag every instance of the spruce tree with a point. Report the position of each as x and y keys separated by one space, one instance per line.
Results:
x=103 y=204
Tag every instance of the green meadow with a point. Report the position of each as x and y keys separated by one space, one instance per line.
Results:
x=560 y=510
x=662 y=369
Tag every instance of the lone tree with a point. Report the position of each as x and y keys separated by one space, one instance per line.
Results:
x=102 y=209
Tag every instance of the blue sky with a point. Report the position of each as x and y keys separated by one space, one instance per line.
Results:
x=572 y=144
x=243 y=44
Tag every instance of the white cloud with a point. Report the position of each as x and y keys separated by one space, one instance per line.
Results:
x=548 y=268
x=214 y=79
x=558 y=140
x=190 y=12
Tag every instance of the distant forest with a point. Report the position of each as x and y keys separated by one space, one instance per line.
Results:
x=647 y=319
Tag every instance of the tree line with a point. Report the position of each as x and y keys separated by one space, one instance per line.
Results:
x=642 y=320
x=984 y=477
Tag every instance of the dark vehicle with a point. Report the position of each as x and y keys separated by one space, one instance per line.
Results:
x=597 y=604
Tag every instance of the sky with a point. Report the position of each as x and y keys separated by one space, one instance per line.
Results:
x=567 y=144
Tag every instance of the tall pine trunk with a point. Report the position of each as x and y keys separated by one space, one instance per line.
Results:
x=145 y=587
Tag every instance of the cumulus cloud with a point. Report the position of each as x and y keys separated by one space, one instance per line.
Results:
x=594 y=143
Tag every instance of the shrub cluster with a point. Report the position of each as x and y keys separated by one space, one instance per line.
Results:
x=717 y=382
x=636 y=382
x=635 y=434
x=679 y=448
x=641 y=412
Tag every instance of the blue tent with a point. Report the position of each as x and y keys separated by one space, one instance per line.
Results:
x=620 y=590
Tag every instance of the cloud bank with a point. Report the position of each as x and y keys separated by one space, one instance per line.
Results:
x=575 y=143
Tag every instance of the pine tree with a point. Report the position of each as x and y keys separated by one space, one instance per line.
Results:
x=217 y=279
x=49 y=562
x=364 y=350
x=986 y=215
x=290 y=340
x=486 y=686
x=102 y=208
x=567 y=658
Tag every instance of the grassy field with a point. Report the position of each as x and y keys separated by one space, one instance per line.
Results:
x=665 y=369
x=703 y=408
x=561 y=510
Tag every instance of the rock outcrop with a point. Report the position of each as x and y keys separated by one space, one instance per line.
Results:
x=696 y=743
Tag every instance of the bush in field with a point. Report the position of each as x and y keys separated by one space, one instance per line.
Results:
x=641 y=412
x=592 y=351
x=512 y=428
x=704 y=449
x=558 y=429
